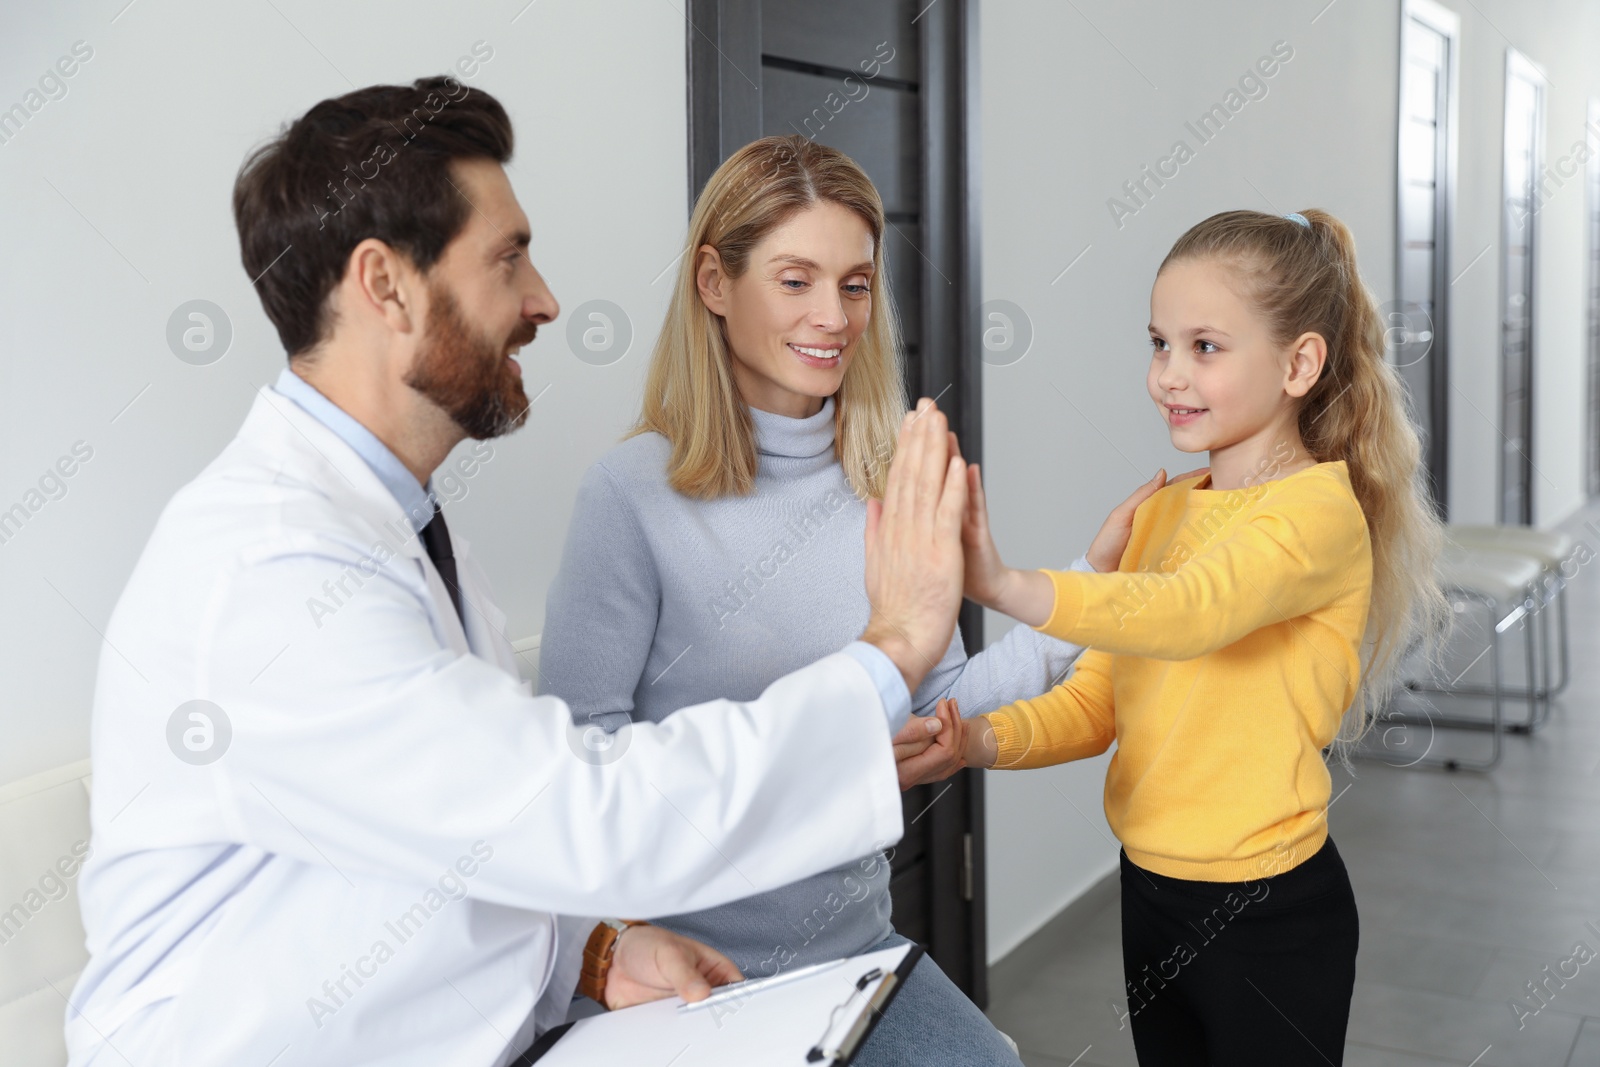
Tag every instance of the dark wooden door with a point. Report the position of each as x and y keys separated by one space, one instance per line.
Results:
x=890 y=83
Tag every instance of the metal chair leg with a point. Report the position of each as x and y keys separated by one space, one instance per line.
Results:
x=1536 y=696
x=1561 y=645
x=1495 y=725
x=1539 y=700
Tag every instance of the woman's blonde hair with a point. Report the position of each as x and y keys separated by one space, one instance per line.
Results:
x=690 y=396
x=1304 y=279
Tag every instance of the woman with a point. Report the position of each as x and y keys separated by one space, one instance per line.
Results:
x=720 y=544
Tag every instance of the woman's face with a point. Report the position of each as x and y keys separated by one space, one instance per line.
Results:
x=793 y=318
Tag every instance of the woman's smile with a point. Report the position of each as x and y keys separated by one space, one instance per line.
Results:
x=816 y=356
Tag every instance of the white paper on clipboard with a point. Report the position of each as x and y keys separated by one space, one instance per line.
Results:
x=773 y=1027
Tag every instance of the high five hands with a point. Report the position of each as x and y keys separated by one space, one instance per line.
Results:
x=1028 y=595
x=911 y=528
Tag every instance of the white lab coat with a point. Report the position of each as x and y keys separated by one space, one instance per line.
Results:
x=372 y=871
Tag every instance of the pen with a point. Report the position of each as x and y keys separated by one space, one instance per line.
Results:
x=756 y=985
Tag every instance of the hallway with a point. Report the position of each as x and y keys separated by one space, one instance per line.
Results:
x=1469 y=886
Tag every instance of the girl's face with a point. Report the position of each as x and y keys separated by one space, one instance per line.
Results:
x=793 y=317
x=1220 y=382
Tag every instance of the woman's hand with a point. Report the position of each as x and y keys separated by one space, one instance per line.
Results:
x=1105 y=552
x=651 y=963
x=930 y=748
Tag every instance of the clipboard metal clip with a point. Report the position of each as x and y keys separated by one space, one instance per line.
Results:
x=819 y=1052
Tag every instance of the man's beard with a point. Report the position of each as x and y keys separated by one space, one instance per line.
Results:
x=466 y=374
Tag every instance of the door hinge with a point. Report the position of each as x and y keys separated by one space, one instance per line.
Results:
x=966 y=867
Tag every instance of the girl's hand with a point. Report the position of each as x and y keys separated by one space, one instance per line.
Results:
x=985 y=574
x=930 y=748
x=1027 y=596
x=981 y=749
x=1106 y=550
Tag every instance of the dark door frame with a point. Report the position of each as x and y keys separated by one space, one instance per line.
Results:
x=1434 y=18
x=724 y=109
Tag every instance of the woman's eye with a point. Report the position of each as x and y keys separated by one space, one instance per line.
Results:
x=857 y=290
x=792 y=281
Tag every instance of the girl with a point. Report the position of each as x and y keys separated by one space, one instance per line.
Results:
x=720 y=545
x=1257 y=608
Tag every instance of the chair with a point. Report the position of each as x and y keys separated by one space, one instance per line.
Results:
x=1504 y=584
x=44 y=833
x=1557 y=555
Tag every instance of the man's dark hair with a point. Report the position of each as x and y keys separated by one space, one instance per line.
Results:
x=372 y=163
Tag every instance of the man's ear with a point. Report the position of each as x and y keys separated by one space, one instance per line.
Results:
x=711 y=280
x=1308 y=355
x=383 y=282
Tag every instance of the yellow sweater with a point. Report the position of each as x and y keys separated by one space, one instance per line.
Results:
x=1222 y=656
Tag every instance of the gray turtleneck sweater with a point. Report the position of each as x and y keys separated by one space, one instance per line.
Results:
x=662 y=602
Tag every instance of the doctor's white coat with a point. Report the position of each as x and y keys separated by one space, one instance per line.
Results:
x=360 y=847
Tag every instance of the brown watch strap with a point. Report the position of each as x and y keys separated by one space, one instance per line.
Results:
x=597 y=954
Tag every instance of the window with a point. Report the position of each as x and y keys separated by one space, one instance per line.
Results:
x=1524 y=158
x=1593 y=413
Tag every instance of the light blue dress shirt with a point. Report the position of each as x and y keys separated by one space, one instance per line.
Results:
x=416 y=500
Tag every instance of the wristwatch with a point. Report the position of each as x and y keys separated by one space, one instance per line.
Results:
x=597 y=954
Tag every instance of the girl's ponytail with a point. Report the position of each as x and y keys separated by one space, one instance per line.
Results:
x=1304 y=278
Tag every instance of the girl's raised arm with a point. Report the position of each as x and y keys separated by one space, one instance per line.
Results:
x=1303 y=544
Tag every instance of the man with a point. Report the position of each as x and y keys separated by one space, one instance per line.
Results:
x=330 y=825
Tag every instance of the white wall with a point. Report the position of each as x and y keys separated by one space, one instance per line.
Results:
x=141 y=153
x=1076 y=99
x=1561 y=36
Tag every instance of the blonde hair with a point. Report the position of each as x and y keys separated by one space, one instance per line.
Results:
x=690 y=395
x=1305 y=279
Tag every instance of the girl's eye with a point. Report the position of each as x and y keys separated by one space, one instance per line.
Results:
x=1158 y=344
x=1207 y=347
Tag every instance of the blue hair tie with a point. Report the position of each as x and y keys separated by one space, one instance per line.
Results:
x=1295 y=216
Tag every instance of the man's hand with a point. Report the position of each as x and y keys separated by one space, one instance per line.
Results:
x=651 y=963
x=913 y=547
x=1105 y=552
x=931 y=748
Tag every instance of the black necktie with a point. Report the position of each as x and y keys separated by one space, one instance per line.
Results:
x=436 y=538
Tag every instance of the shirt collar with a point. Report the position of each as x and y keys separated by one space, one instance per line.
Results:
x=416 y=500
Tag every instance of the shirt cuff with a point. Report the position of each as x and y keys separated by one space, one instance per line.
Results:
x=887 y=677
x=1068 y=608
x=1082 y=564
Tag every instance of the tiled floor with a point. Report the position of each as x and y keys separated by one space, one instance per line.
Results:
x=1469 y=885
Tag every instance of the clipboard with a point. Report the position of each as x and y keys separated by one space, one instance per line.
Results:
x=820 y=1017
